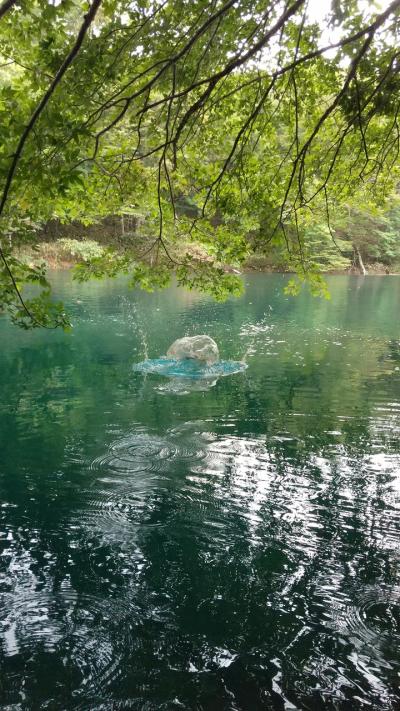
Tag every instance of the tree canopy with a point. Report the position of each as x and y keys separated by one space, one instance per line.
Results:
x=211 y=120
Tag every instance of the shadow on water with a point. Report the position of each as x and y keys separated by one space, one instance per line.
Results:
x=236 y=548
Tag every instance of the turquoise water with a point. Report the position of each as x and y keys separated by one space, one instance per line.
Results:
x=226 y=545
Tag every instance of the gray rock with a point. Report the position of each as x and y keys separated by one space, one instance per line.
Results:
x=202 y=348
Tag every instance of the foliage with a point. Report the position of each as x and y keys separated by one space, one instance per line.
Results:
x=37 y=307
x=211 y=122
x=85 y=250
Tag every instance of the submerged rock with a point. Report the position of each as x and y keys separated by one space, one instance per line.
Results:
x=201 y=348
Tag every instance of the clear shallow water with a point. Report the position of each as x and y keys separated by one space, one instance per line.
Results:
x=232 y=547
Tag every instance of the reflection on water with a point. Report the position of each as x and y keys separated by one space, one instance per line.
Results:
x=237 y=548
x=184 y=386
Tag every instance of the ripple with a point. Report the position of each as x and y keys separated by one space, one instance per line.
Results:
x=375 y=618
x=101 y=630
x=134 y=453
x=88 y=632
x=28 y=619
x=142 y=451
x=123 y=494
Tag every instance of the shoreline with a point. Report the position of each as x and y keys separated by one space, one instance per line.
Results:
x=66 y=265
x=59 y=257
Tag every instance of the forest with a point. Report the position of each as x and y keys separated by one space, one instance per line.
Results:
x=230 y=134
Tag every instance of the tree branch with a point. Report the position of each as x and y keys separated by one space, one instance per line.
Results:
x=6 y=6
x=88 y=19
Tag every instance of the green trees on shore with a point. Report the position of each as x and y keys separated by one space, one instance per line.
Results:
x=232 y=126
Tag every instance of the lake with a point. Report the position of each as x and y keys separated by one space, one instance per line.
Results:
x=232 y=545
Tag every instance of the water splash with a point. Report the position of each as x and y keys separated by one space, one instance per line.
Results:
x=189 y=368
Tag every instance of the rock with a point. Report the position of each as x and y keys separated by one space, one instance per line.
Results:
x=202 y=348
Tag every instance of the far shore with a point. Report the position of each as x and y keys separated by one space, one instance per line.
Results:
x=63 y=246
x=62 y=263
x=57 y=258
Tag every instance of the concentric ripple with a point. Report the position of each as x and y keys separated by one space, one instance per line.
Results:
x=126 y=477
x=135 y=453
x=141 y=451
x=38 y=623
x=375 y=618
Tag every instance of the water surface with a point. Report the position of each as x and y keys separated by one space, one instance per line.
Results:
x=233 y=546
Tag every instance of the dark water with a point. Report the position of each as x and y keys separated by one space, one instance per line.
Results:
x=232 y=547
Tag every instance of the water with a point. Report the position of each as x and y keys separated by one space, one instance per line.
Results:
x=227 y=547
